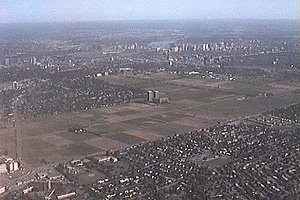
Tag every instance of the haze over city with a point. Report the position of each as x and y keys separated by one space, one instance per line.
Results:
x=149 y=100
x=13 y=11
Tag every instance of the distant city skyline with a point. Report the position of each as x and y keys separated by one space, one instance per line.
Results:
x=14 y=11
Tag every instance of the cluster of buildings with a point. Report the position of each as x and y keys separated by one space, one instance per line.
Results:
x=86 y=170
x=157 y=97
x=136 y=56
x=8 y=165
x=48 y=190
x=241 y=160
x=19 y=60
x=65 y=94
x=9 y=61
x=203 y=59
x=279 y=117
x=226 y=52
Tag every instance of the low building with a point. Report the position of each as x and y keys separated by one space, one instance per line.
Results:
x=164 y=100
x=100 y=159
x=3 y=168
x=2 y=189
x=66 y=196
x=27 y=190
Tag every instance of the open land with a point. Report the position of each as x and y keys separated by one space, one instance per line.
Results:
x=195 y=103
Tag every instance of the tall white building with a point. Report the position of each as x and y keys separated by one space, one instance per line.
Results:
x=6 y=62
x=15 y=85
x=156 y=94
x=150 y=96
x=33 y=61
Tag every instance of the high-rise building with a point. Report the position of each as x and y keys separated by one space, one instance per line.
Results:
x=16 y=166
x=12 y=165
x=176 y=49
x=6 y=62
x=156 y=97
x=156 y=94
x=33 y=61
x=15 y=85
x=150 y=95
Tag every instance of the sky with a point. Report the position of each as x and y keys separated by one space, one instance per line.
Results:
x=18 y=11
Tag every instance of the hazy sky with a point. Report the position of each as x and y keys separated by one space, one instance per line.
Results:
x=93 y=10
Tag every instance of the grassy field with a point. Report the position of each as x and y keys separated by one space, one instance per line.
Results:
x=195 y=103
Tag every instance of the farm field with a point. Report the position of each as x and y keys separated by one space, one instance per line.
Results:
x=194 y=103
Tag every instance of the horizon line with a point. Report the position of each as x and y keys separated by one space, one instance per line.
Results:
x=153 y=20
